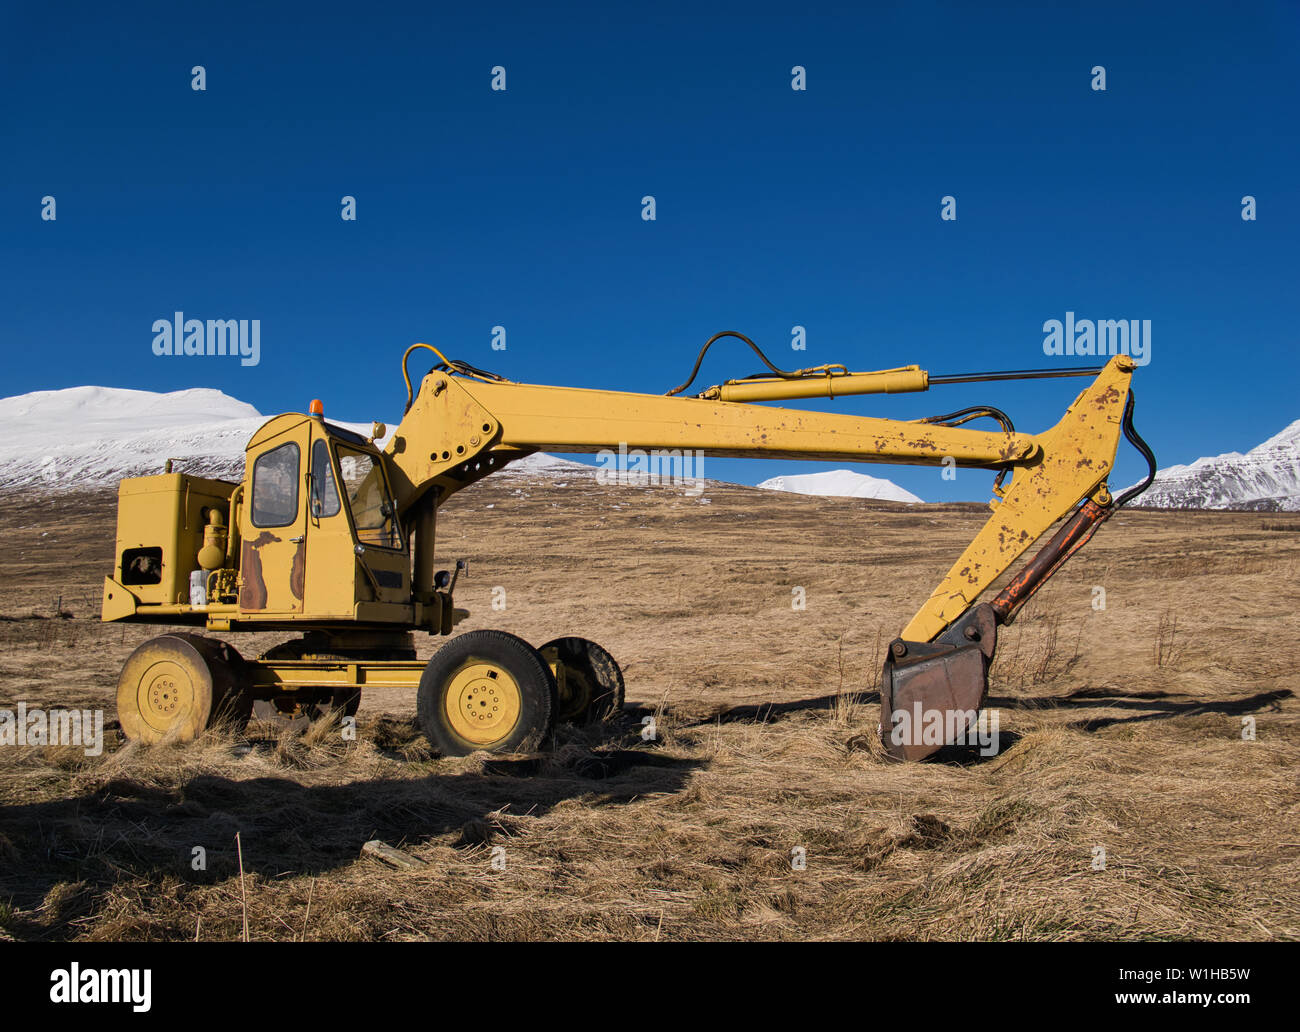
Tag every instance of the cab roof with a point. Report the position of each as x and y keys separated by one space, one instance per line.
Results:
x=277 y=425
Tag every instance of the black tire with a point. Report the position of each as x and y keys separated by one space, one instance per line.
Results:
x=467 y=673
x=599 y=681
x=234 y=706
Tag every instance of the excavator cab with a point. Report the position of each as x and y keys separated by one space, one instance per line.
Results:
x=319 y=490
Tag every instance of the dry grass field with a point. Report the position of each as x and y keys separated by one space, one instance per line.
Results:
x=1121 y=729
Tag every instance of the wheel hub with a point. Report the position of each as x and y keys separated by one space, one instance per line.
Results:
x=483 y=703
x=578 y=695
x=166 y=692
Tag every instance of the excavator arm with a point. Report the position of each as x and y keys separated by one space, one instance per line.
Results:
x=464 y=424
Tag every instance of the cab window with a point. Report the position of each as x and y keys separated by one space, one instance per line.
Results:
x=324 y=492
x=275 y=487
x=373 y=513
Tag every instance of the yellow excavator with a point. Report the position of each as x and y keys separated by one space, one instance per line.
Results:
x=331 y=537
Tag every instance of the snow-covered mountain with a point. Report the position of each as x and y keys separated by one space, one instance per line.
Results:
x=840 y=483
x=1266 y=478
x=86 y=436
x=540 y=464
x=95 y=436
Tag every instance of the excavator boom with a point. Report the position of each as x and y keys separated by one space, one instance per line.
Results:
x=459 y=428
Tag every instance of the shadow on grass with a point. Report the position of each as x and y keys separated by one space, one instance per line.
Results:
x=127 y=831
x=763 y=712
x=1147 y=706
x=1151 y=705
x=974 y=755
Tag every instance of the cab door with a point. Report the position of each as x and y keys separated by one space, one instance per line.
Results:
x=332 y=592
x=273 y=555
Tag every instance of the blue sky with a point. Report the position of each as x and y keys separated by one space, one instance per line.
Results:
x=775 y=208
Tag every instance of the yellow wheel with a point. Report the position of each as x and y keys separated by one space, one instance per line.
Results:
x=482 y=702
x=486 y=690
x=181 y=684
